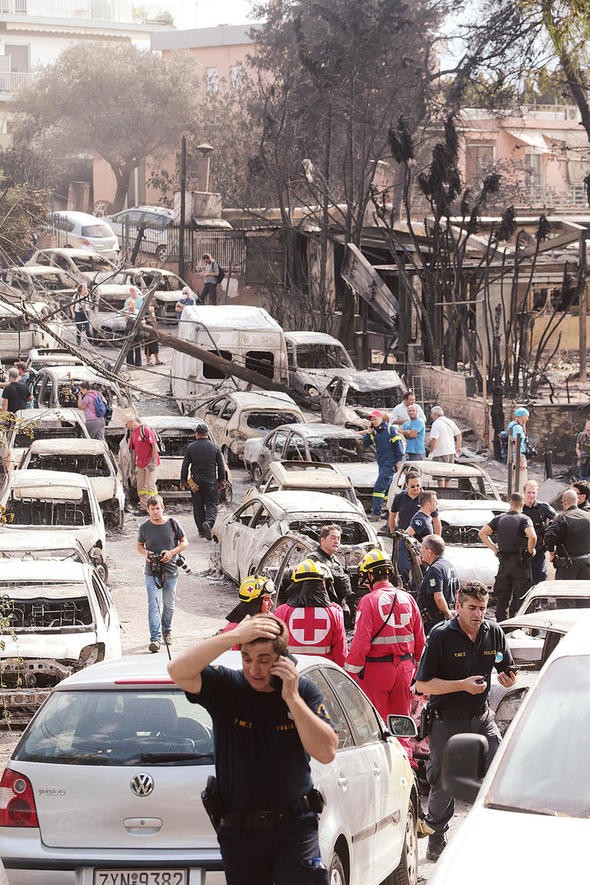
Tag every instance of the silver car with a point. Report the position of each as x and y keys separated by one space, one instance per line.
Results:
x=105 y=785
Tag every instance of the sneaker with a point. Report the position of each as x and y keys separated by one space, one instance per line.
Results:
x=436 y=845
x=154 y=646
x=207 y=531
x=167 y=637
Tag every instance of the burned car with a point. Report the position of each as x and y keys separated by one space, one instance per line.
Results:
x=39 y=357
x=314 y=358
x=167 y=293
x=320 y=443
x=350 y=398
x=56 y=617
x=18 y=330
x=241 y=415
x=247 y=534
x=38 y=544
x=467 y=500
x=48 y=285
x=89 y=457
x=174 y=433
x=81 y=264
x=33 y=424
x=60 y=502
x=285 y=476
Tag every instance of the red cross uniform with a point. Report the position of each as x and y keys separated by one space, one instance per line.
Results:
x=315 y=630
x=383 y=658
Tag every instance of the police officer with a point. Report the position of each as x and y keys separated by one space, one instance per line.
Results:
x=540 y=515
x=403 y=508
x=314 y=622
x=266 y=813
x=389 y=450
x=325 y=553
x=568 y=539
x=515 y=549
x=440 y=584
x=388 y=638
x=208 y=478
x=455 y=670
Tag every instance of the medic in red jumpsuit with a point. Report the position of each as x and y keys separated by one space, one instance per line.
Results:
x=314 y=622
x=388 y=638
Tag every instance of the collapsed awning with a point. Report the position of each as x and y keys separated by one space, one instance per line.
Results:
x=531 y=137
x=364 y=280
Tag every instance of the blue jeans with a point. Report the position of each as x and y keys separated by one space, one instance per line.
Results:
x=167 y=592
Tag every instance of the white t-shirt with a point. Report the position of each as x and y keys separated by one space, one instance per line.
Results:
x=400 y=413
x=444 y=430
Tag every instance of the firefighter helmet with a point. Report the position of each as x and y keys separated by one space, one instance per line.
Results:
x=374 y=559
x=310 y=570
x=254 y=586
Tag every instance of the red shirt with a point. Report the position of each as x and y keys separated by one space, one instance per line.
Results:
x=142 y=439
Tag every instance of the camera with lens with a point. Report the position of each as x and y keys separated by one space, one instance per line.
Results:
x=155 y=563
x=181 y=563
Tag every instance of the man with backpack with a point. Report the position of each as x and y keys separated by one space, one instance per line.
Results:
x=213 y=274
x=145 y=458
x=94 y=407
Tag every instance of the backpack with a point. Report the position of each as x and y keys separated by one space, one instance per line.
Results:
x=220 y=274
x=100 y=406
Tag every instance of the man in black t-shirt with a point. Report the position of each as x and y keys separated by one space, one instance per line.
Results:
x=264 y=736
x=515 y=549
x=16 y=394
x=207 y=478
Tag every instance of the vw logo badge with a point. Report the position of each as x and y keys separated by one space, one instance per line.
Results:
x=142 y=784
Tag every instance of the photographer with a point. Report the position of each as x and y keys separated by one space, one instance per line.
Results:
x=159 y=541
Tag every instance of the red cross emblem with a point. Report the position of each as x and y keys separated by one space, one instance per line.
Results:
x=308 y=626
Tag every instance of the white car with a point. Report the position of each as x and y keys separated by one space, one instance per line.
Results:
x=19 y=330
x=84 y=231
x=251 y=530
x=314 y=359
x=32 y=424
x=40 y=357
x=322 y=443
x=548 y=595
x=47 y=284
x=82 y=264
x=533 y=804
x=90 y=457
x=284 y=476
x=105 y=784
x=236 y=417
x=56 y=386
x=36 y=544
x=350 y=397
x=468 y=501
x=57 y=502
x=57 y=617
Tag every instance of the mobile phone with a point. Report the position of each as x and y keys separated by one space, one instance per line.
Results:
x=275 y=681
x=512 y=671
x=480 y=681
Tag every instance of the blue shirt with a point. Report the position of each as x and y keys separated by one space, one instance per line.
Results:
x=415 y=445
x=516 y=430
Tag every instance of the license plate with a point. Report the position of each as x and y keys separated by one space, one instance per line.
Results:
x=140 y=877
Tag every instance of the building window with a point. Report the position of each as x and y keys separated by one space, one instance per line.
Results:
x=479 y=161
x=534 y=175
x=19 y=54
x=235 y=77
x=212 y=80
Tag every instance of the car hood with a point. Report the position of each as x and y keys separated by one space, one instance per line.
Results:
x=470 y=513
x=361 y=473
x=528 y=848
x=473 y=563
x=54 y=645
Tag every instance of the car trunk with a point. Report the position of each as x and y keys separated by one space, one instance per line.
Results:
x=103 y=810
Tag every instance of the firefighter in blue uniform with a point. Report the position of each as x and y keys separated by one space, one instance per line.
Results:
x=389 y=450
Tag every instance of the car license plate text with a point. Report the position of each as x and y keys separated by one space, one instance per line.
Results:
x=140 y=877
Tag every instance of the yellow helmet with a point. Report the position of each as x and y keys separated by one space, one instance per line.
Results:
x=374 y=559
x=310 y=570
x=254 y=586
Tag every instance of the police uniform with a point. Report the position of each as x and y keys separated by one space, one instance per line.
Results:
x=540 y=515
x=440 y=577
x=406 y=508
x=389 y=450
x=514 y=571
x=268 y=834
x=569 y=536
x=451 y=654
x=207 y=469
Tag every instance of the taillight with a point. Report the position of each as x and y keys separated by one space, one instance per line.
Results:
x=17 y=802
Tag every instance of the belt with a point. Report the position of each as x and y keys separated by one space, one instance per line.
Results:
x=459 y=714
x=388 y=659
x=510 y=553
x=267 y=818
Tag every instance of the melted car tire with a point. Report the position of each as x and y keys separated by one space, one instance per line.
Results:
x=337 y=874
x=406 y=872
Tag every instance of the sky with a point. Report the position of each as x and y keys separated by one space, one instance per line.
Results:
x=204 y=13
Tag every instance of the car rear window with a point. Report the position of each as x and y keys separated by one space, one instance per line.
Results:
x=118 y=727
x=353 y=533
x=96 y=230
x=265 y=421
x=88 y=465
x=43 y=430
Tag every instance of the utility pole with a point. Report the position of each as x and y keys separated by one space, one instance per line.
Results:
x=182 y=207
x=582 y=307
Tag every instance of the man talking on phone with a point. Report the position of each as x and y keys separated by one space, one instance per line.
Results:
x=267 y=723
x=455 y=670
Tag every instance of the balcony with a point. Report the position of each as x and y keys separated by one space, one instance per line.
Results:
x=11 y=81
x=120 y=11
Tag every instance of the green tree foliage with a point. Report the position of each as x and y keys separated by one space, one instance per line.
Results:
x=113 y=101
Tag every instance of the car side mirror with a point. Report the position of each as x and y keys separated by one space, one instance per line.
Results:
x=401 y=726
x=464 y=765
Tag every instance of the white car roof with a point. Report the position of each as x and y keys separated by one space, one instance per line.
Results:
x=36 y=539
x=58 y=414
x=577 y=640
x=42 y=570
x=295 y=502
x=40 y=270
x=553 y=619
x=143 y=669
x=82 y=217
x=320 y=430
x=227 y=316
x=254 y=399
x=441 y=468
x=39 y=478
x=560 y=588
x=72 y=253
x=312 y=338
x=69 y=446
x=171 y=422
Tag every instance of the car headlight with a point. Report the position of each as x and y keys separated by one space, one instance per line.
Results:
x=508 y=706
x=91 y=654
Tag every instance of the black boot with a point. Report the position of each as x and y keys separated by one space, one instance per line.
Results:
x=436 y=845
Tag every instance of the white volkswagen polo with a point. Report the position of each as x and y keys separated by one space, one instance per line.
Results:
x=104 y=787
